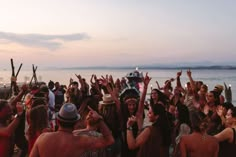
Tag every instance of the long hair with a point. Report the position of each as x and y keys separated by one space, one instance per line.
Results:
x=163 y=123
x=38 y=119
x=183 y=114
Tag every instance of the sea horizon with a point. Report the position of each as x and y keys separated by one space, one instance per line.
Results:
x=146 y=67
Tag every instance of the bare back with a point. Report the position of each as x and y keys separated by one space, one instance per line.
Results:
x=62 y=144
x=196 y=145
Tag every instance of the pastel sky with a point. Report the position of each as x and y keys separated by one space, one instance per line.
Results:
x=68 y=33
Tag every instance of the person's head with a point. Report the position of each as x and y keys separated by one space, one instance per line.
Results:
x=155 y=111
x=213 y=98
x=203 y=89
x=39 y=101
x=45 y=90
x=218 y=88
x=182 y=114
x=75 y=85
x=199 y=84
x=171 y=109
x=168 y=85
x=67 y=116
x=154 y=94
x=129 y=100
x=57 y=85
x=107 y=108
x=199 y=122
x=39 y=96
x=131 y=105
x=38 y=119
x=188 y=87
x=230 y=117
x=106 y=100
x=5 y=111
x=90 y=121
x=51 y=85
x=157 y=95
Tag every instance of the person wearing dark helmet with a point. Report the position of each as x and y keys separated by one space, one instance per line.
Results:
x=63 y=143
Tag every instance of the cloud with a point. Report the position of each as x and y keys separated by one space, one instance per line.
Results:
x=40 y=40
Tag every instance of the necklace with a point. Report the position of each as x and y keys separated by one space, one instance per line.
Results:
x=204 y=136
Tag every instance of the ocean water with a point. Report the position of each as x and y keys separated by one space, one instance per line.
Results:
x=208 y=76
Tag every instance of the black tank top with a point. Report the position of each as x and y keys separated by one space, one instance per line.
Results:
x=228 y=149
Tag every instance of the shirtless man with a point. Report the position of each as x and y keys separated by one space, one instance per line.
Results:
x=63 y=143
x=198 y=144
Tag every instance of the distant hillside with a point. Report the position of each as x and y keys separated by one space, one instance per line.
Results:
x=216 y=67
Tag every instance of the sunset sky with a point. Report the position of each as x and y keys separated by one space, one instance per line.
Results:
x=65 y=33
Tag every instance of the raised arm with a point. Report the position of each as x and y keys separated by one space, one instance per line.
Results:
x=139 y=113
x=192 y=83
x=132 y=142
x=107 y=138
x=158 y=86
x=10 y=129
x=178 y=82
x=82 y=85
x=114 y=96
x=23 y=91
x=112 y=91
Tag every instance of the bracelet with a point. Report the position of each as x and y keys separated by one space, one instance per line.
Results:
x=18 y=116
x=129 y=128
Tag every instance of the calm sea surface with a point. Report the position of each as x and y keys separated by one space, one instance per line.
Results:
x=209 y=77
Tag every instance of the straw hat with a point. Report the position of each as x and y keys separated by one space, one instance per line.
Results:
x=68 y=113
x=106 y=99
x=219 y=88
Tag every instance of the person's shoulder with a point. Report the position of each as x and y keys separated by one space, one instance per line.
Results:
x=212 y=139
x=187 y=138
x=46 y=134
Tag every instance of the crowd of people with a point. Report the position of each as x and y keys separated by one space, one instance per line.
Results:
x=106 y=118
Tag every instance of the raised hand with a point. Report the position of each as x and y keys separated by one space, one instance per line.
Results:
x=189 y=73
x=93 y=114
x=78 y=76
x=104 y=81
x=19 y=108
x=131 y=121
x=179 y=73
x=172 y=79
x=146 y=79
